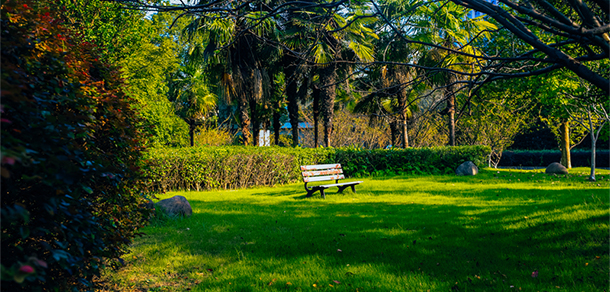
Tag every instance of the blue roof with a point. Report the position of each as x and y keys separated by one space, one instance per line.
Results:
x=302 y=125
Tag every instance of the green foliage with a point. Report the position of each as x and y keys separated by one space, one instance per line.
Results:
x=211 y=136
x=115 y=31
x=204 y=168
x=433 y=160
x=71 y=185
x=494 y=120
x=147 y=70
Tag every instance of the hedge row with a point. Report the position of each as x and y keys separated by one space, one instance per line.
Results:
x=232 y=167
x=544 y=158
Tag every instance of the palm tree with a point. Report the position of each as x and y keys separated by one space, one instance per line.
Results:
x=447 y=24
x=236 y=44
x=192 y=99
x=338 y=36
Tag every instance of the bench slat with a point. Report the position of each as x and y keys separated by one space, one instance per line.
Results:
x=320 y=166
x=322 y=172
x=340 y=184
x=323 y=178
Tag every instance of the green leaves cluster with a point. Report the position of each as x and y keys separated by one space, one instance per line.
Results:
x=71 y=148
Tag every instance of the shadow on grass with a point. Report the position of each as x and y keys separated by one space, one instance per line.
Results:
x=495 y=243
x=486 y=233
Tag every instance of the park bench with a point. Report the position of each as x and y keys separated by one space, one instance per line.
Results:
x=325 y=172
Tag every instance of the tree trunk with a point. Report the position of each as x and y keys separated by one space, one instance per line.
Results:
x=405 y=133
x=276 y=127
x=328 y=77
x=256 y=124
x=277 y=114
x=291 y=95
x=242 y=108
x=451 y=114
x=401 y=95
x=450 y=98
x=316 y=115
x=565 y=144
x=192 y=133
x=593 y=142
x=393 y=130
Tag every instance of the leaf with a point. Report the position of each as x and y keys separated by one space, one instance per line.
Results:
x=337 y=282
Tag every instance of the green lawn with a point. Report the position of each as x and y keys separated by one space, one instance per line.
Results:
x=489 y=232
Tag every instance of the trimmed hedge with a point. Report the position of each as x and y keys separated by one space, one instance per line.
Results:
x=231 y=167
x=546 y=157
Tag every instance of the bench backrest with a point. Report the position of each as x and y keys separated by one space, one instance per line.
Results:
x=321 y=172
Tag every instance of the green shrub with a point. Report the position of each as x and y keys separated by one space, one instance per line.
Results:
x=433 y=160
x=230 y=167
x=70 y=156
x=212 y=136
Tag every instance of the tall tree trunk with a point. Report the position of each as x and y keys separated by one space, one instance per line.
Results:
x=256 y=124
x=450 y=97
x=256 y=97
x=192 y=132
x=242 y=108
x=290 y=71
x=393 y=131
x=452 y=121
x=316 y=115
x=328 y=77
x=405 y=132
x=593 y=142
x=245 y=122
x=277 y=114
x=276 y=126
x=564 y=130
x=303 y=89
x=451 y=115
x=402 y=121
x=402 y=105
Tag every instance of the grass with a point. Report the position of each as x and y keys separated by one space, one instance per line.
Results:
x=490 y=232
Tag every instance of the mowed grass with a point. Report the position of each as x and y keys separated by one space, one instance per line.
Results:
x=491 y=232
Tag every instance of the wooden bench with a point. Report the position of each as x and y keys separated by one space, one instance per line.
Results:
x=324 y=172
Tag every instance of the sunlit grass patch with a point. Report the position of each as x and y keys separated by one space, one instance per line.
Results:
x=488 y=232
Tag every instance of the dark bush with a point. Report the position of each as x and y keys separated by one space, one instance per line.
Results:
x=544 y=158
x=204 y=168
x=71 y=185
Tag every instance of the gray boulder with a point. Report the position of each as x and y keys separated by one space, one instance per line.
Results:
x=467 y=168
x=556 y=168
x=175 y=206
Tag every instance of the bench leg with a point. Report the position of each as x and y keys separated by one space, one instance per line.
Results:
x=322 y=193
x=310 y=193
x=341 y=188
